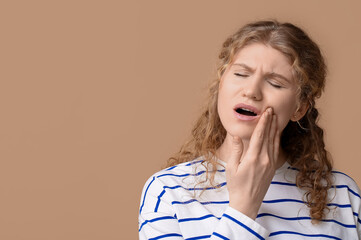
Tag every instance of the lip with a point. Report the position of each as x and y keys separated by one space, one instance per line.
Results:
x=244 y=117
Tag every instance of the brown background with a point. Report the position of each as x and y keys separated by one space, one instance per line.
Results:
x=96 y=95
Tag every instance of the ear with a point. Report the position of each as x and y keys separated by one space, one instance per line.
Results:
x=300 y=112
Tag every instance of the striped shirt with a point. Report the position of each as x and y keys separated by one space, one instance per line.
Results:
x=173 y=206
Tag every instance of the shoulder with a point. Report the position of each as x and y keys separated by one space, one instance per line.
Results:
x=177 y=174
x=182 y=170
x=341 y=179
x=343 y=188
x=346 y=188
x=175 y=179
x=184 y=176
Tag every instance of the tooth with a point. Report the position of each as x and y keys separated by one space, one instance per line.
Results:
x=246 y=110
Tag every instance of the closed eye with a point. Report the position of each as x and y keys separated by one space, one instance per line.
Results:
x=240 y=75
x=275 y=85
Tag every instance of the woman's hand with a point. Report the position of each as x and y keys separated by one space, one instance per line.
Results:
x=248 y=180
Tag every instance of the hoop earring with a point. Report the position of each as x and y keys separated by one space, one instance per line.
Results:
x=299 y=124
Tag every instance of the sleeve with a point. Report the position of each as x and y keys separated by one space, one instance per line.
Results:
x=349 y=192
x=161 y=222
x=155 y=222
x=356 y=203
x=358 y=224
x=235 y=225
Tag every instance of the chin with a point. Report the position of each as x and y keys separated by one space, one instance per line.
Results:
x=243 y=133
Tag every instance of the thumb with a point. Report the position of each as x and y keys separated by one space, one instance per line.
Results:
x=237 y=149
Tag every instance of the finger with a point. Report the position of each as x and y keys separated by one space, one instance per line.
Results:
x=258 y=134
x=273 y=127
x=271 y=137
x=267 y=131
x=276 y=145
x=236 y=153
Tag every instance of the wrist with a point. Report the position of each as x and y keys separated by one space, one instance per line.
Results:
x=249 y=210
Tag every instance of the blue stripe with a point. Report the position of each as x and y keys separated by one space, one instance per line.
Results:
x=203 y=203
x=179 y=175
x=283 y=183
x=336 y=186
x=356 y=214
x=198 y=237
x=284 y=218
x=342 y=224
x=146 y=190
x=333 y=171
x=166 y=235
x=192 y=189
x=339 y=205
x=338 y=172
x=194 y=162
x=197 y=219
x=187 y=174
x=158 y=202
x=186 y=202
x=170 y=168
x=343 y=174
x=305 y=235
x=305 y=218
x=220 y=236
x=155 y=220
x=264 y=201
x=283 y=200
x=188 y=164
x=349 y=189
x=299 y=201
x=244 y=226
x=293 y=168
x=189 y=189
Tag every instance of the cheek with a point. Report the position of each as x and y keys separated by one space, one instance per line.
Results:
x=224 y=108
x=284 y=114
x=221 y=103
x=224 y=100
x=282 y=123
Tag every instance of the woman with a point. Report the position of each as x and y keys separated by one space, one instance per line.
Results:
x=256 y=166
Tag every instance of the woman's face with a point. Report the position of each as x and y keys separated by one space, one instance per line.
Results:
x=259 y=77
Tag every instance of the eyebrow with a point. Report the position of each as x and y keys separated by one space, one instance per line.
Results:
x=272 y=74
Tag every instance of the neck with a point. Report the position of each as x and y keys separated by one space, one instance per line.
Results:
x=224 y=151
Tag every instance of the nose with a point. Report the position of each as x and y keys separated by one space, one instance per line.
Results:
x=252 y=89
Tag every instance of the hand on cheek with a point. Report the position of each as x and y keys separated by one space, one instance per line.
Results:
x=248 y=180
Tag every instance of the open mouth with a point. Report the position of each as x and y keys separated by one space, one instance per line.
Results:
x=245 y=112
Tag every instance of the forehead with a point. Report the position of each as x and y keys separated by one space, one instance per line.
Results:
x=258 y=55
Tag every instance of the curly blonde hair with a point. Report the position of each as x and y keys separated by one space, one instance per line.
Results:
x=304 y=146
